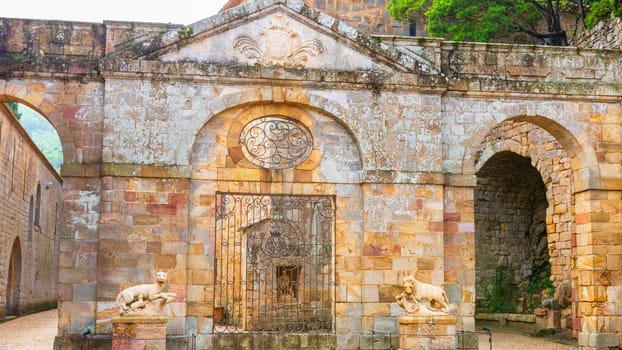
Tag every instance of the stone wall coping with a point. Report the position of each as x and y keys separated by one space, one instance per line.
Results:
x=514 y=317
x=139 y=319
x=146 y=170
x=427 y=320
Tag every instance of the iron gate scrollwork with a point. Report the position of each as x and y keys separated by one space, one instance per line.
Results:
x=274 y=265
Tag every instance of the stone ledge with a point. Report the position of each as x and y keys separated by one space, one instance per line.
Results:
x=403 y=177
x=140 y=319
x=143 y=170
x=426 y=320
x=527 y=318
x=80 y=170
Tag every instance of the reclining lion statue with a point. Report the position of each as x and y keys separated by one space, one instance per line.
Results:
x=145 y=299
x=422 y=299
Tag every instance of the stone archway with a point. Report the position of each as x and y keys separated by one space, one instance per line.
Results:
x=532 y=177
x=14 y=280
x=31 y=96
x=328 y=168
x=512 y=257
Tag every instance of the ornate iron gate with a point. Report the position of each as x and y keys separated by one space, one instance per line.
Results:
x=274 y=265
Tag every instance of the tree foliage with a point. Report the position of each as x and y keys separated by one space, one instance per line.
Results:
x=40 y=131
x=14 y=108
x=488 y=20
x=600 y=10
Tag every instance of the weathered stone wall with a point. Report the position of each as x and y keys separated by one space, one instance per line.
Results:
x=398 y=144
x=605 y=35
x=367 y=16
x=29 y=213
x=142 y=229
x=51 y=38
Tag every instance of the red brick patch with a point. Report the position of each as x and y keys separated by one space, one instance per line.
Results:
x=177 y=198
x=451 y=216
x=129 y=196
x=381 y=250
x=69 y=112
x=162 y=209
x=580 y=218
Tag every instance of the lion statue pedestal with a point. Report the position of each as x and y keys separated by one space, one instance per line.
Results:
x=141 y=324
x=427 y=324
x=139 y=332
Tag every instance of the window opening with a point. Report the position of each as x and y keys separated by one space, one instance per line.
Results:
x=38 y=206
x=30 y=218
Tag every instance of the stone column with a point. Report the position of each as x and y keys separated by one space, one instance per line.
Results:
x=139 y=333
x=598 y=269
x=427 y=332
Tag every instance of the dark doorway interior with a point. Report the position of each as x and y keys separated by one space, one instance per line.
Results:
x=511 y=247
x=14 y=280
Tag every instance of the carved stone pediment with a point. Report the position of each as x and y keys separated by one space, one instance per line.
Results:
x=278 y=45
x=276 y=39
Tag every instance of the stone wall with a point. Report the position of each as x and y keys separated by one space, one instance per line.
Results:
x=51 y=38
x=29 y=212
x=400 y=130
x=605 y=35
x=367 y=16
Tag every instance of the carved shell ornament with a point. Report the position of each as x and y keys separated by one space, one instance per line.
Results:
x=278 y=45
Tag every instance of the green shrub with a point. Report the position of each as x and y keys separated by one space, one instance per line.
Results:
x=602 y=10
x=502 y=294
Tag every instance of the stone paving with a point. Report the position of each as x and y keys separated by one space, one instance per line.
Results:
x=37 y=331
x=31 y=332
x=504 y=340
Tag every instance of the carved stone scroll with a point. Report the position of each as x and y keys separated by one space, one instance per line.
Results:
x=278 y=45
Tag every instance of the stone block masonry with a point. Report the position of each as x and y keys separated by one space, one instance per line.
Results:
x=405 y=135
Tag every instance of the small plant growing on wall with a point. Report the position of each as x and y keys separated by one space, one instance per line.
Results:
x=502 y=293
x=539 y=287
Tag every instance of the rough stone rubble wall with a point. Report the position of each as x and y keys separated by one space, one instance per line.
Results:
x=605 y=35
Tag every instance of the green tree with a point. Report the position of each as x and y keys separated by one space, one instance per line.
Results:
x=487 y=20
x=40 y=131
x=14 y=108
x=600 y=10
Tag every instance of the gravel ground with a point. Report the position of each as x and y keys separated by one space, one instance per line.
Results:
x=37 y=331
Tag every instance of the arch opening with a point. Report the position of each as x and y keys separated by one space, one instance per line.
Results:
x=511 y=246
x=40 y=131
x=519 y=158
x=14 y=280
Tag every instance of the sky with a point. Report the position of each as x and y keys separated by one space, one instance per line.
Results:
x=176 y=12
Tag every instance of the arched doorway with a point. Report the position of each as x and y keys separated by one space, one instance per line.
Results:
x=14 y=280
x=511 y=247
x=524 y=220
